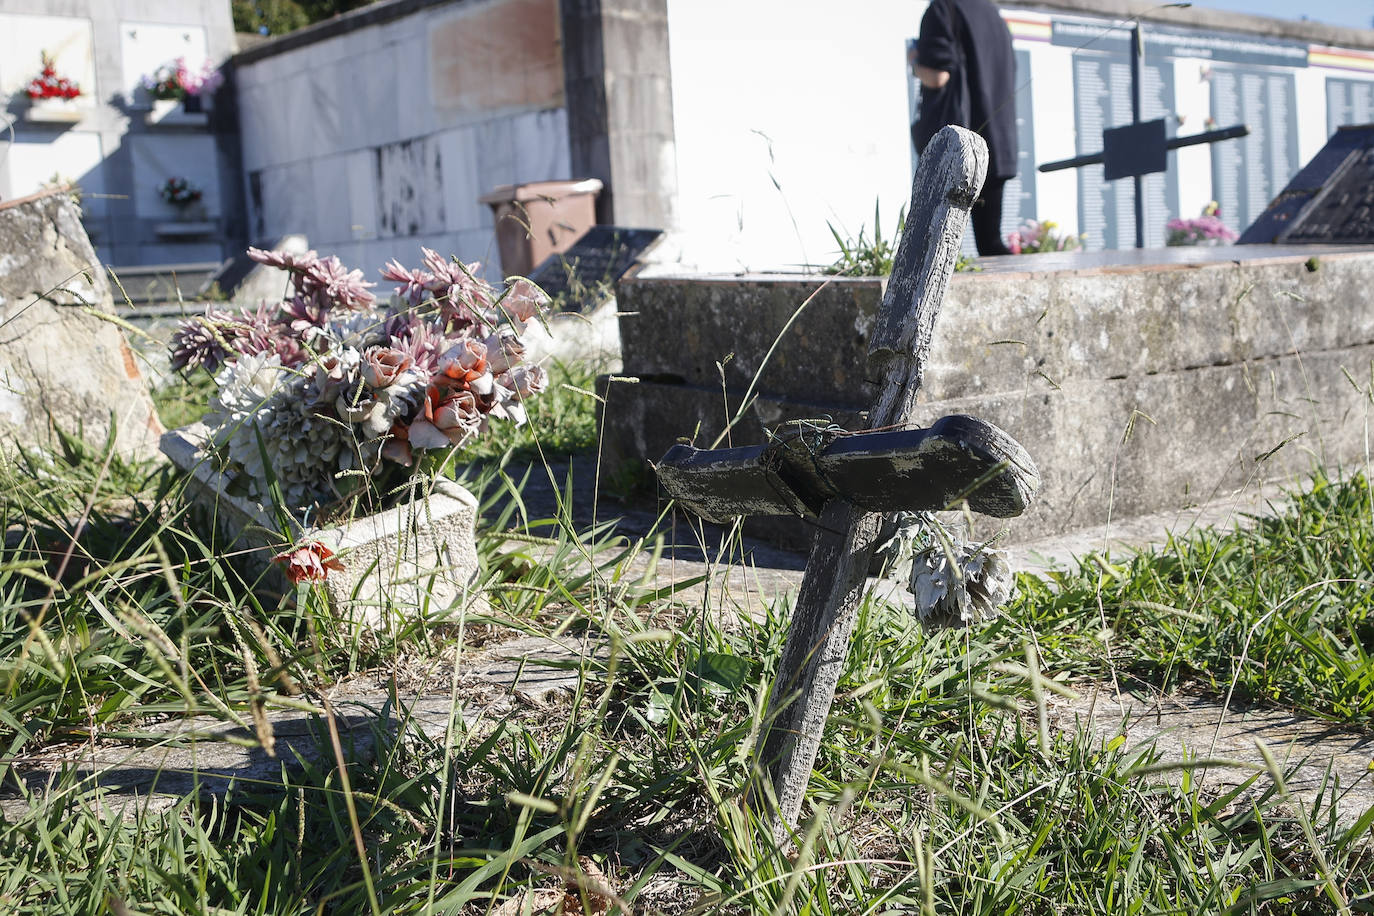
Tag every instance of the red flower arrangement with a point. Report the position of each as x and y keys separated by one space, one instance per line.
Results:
x=51 y=86
x=179 y=192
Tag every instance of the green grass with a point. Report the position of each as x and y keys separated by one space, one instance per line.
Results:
x=1280 y=613
x=935 y=790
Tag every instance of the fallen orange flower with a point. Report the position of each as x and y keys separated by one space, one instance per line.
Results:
x=309 y=562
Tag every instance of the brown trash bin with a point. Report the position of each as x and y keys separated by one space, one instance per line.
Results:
x=540 y=218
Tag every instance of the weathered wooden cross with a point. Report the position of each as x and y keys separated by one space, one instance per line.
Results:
x=848 y=481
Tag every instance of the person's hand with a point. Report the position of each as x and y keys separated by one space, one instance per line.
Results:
x=932 y=78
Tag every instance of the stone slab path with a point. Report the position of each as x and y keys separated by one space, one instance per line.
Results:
x=201 y=756
x=1315 y=756
x=204 y=755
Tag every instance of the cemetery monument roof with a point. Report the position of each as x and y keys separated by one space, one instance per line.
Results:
x=1331 y=200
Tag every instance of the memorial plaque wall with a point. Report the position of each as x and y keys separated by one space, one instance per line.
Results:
x=1018 y=201
x=1247 y=173
x=1348 y=102
x=1102 y=98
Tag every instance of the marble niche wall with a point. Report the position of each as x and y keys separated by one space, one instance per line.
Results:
x=376 y=133
x=108 y=142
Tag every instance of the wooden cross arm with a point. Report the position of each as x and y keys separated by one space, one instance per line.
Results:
x=916 y=470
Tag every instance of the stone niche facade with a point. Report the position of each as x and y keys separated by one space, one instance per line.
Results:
x=61 y=365
x=112 y=141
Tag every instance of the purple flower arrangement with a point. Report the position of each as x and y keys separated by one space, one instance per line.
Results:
x=177 y=80
x=1207 y=229
x=327 y=392
x=1038 y=237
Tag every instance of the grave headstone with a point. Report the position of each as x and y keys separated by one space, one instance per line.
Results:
x=63 y=365
x=1330 y=201
x=600 y=257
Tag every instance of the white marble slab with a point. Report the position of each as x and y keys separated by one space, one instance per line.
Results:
x=496 y=153
x=72 y=155
x=23 y=39
x=345 y=195
x=145 y=46
x=157 y=157
x=462 y=180
x=540 y=143
x=287 y=201
x=410 y=194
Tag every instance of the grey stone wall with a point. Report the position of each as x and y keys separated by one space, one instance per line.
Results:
x=1137 y=389
x=620 y=106
x=375 y=133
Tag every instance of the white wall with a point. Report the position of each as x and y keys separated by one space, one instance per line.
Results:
x=791 y=114
x=352 y=141
x=822 y=85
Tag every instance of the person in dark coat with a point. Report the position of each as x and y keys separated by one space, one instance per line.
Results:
x=968 y=37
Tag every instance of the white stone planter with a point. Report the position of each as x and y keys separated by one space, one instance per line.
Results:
x=171 y=113
x=418 y=559
x=53 y=111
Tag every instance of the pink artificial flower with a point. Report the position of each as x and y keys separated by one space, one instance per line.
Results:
x=504 y=350
x=524 y=380
x=465 y=366
x=448 y=420
x=421 y=339
x=522 y=301
x=308 y=562
x=397 y=446
x=345 y=288
x=284 y=260
x=381 y=366
x=414 y=283
x=301 y=314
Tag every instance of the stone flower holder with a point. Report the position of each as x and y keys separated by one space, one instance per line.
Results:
x=174 y=113
x=417 y=558
x=54 y=111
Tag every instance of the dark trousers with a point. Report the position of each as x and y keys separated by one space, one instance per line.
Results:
x=987 y=219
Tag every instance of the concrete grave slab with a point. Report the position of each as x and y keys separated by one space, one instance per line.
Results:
x=1316 y=757
x=205 y=756
x=1139 y=387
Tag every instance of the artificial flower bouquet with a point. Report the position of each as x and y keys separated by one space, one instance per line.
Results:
x=1038 y=237
x=48 y=85
x=179 y=192
x=177 y=81
x=328 y=400
x=1207 y=229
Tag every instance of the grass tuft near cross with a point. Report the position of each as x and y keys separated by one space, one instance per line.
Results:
x=848 y=481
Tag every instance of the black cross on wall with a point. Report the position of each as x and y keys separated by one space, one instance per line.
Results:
x=1141 y=147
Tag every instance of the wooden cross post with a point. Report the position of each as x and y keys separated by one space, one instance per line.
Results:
x=847 y=482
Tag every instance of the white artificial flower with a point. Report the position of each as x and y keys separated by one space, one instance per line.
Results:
x=959 y=584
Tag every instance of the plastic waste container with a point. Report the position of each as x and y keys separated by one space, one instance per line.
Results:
x=540 y=218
